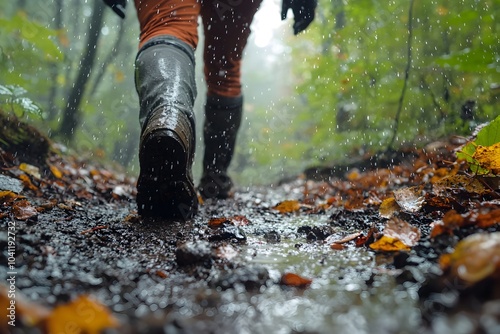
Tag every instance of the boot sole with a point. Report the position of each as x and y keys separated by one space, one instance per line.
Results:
x=165 y=187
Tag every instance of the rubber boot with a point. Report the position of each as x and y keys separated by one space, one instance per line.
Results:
x=165 y=82
x=222 y=121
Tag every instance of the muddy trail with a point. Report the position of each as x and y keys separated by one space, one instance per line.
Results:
x=360 y=249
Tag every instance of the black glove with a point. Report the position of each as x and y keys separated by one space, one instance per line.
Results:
x=303 y=12
x=118 y=6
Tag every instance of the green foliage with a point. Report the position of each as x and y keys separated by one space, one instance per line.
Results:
x=12 y=96
x=27 y=45
x=349 y=70
x=487 y=136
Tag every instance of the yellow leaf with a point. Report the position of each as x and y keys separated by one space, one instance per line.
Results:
x=390 y=244
x=488 y=157
x=288 y=206
x=83 y=315
x=30 y=169
x=55 y=171
x=388 y=207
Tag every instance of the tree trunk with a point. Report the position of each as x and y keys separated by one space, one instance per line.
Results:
x=52 y=104
x=71 y=114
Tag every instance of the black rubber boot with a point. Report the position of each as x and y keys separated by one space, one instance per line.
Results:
x=166 y=86
x=222 y=121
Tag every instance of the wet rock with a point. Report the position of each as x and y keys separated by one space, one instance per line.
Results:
x=9 y=183
x=250 y=277
x=227 y=233
x=272 y=237
x=315 y=232
x=193 y=252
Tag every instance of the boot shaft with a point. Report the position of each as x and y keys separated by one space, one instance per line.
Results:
x=165 y=77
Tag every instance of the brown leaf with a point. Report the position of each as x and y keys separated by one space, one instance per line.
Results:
x=403 y=231
x=217 y=222
x=337 y=246
x=84 y=315
x=23 y=210
x=409 y=199
x=291 y=279
x=239 y=220
x=467 y=183
x=93 y=229
x=345 y=239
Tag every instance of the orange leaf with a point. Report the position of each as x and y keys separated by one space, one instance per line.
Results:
x=217 y=222
x=337 y=246
x=23 y=210
x=291 y=279
x=288 y=206
x=30 y=313
x=83 y=315
x=7 y=196
x=390 y=244
x=55 y=171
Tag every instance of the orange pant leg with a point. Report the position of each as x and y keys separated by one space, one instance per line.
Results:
x=226 y=26
x=178 y=18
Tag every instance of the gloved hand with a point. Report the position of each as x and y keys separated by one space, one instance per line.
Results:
x=118 y=6
x=303 y=12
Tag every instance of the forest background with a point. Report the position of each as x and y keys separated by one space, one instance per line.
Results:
x=367 y=76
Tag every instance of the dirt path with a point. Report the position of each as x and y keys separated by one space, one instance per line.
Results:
x=231 y=269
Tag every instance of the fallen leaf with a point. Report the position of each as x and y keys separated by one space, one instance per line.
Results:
x=239 y=220
x=409 y=199
x=23 y=210
x=474 y=258
x=26 y=311
x=388 y=207
x=488 y=157
x=93 y=229
x=27 y=182
x=217 y=222
x=337 y=246
x=403 y=231
x=30 y=169
x=8 y=197
x=467 y=183
x=345 y=239
x=389 y=244
x=288 y=206
x=83 y=315
x=290 y=279
x=55 y=171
